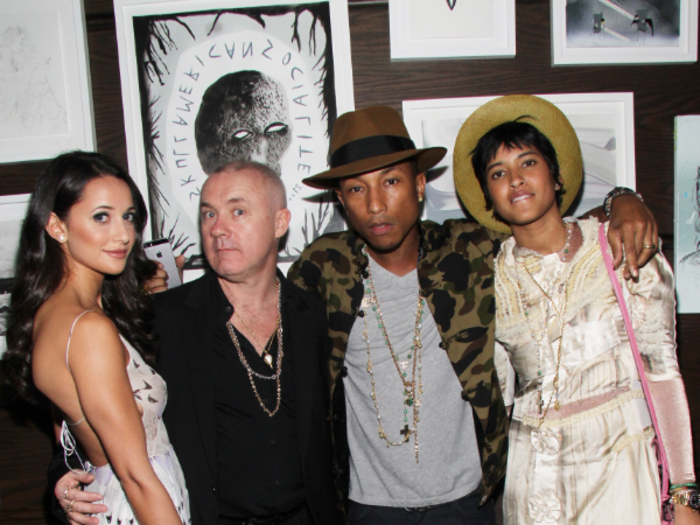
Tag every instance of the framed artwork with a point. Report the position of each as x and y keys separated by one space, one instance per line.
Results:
x=630 y=32
x=686 y=251
x=604 y=123
x=13 y=208
x=452 y=28
x=46 y=104
x=205 y=82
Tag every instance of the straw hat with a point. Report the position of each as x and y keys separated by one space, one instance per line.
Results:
x=543 y=115
x=370 y=139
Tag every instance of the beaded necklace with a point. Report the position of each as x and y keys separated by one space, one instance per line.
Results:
x=413 y=387
x=280 y=353
x=563 y=288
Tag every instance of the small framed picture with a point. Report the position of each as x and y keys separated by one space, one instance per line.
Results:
x=13 y=208
x=604 y=123
x=452 y=28
x=46 y=106
x=615 y=32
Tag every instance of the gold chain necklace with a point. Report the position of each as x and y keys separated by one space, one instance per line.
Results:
x=265 y=349
x=412 y=388
x=562 y=324
x=278 y=373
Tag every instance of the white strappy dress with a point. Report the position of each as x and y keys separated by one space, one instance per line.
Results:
x=151 y=393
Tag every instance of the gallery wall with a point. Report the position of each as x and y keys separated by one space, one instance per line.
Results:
x=660 y=93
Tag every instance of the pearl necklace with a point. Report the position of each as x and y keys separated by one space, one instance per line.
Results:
x=412 y=388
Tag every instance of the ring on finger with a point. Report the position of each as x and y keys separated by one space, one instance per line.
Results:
x=70 y=507
x=65 y=492
x=649 y=246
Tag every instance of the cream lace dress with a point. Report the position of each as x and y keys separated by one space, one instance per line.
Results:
x=591 y=461
x=150 y=391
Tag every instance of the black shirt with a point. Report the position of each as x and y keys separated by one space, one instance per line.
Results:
x=259 y=471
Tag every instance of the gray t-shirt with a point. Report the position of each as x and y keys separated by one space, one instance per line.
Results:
x=449 y=465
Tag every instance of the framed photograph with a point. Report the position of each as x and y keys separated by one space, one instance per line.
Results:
x=13 y=208
x=206 y=82
x=452 y=28
x=604 y=123
x=46 y=102
x=631 y=32
x=686 y=251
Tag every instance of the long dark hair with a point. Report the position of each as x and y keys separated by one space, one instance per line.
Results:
x=41 y=265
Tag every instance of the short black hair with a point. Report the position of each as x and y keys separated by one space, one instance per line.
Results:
x=514 y=134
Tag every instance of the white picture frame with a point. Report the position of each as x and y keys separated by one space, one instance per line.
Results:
x=686 y=249
x=452 y=28
x=604 y=123
x=44 y=80
x=286 y=45
x=13 y=208
x=589 y=32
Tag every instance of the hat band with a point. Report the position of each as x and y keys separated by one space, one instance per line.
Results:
x=367 y=147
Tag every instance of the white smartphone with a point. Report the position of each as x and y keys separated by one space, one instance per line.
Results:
x=160 y=250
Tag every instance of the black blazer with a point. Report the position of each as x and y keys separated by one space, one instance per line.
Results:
x=183 y=324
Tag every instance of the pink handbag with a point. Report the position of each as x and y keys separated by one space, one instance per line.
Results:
x=666 y=506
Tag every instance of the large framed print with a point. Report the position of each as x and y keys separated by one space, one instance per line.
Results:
x=604 y=124
x=452 y=28
x=46 y=103
x=687 y=213
x=205 y=82
x=629 y=32
x=13 y=208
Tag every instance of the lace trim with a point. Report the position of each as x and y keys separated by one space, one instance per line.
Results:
x=629 y=439
x=588 y=414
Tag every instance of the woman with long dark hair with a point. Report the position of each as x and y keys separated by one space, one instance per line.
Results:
x=79 y=333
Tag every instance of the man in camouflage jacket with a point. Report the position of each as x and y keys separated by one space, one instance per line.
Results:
x=456 y=279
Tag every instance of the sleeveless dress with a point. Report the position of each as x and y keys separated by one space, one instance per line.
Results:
x=592 y=461
x=150 y=392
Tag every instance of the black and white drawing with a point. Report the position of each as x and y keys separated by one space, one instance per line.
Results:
x=624 y=31
x=262 y=83
x=13 y=208
x=46 y=104
x=687 y=213
x=623 y=23
x=603 y=123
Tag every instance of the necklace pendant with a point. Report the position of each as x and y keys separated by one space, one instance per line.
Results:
x=268 y=359
x=366 y=301
x=540 y=402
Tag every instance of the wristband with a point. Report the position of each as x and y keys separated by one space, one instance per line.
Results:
x=616 y=192
x=691 y=485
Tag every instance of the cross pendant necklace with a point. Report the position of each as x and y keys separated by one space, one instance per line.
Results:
x=406 y=431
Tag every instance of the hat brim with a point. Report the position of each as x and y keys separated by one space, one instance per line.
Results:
x=540 y=113
x=426 y=158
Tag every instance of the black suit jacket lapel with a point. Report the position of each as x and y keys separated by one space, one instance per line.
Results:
x=198 y=349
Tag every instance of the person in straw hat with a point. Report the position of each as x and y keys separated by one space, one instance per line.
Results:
x=581 y=444
x=418 y=418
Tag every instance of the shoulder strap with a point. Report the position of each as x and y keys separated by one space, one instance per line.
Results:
x=71 y=335
x=661 y=451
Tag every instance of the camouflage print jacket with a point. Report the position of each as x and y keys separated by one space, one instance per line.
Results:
x=456 y=277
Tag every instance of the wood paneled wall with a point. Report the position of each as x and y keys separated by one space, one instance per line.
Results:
x=660 y=93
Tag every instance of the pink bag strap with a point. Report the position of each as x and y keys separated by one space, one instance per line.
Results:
x=661 y=451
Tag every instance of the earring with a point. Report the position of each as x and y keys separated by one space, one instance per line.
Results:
x=420 y=199
x=61 y=238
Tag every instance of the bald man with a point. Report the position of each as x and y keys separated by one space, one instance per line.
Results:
x=242 y=352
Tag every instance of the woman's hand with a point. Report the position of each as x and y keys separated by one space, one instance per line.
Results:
x=633 y=226
x=78 y=505
x=683 y=515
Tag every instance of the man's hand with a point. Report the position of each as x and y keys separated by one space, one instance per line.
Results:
x=633 y=226
x=76 y=503
x=159 y=282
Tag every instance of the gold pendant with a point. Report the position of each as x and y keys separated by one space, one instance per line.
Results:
x=268 y=359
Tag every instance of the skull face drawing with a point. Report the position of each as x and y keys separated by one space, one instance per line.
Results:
x=243 y=116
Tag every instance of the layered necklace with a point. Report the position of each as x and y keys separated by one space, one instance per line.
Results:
x=412 y=387
x=564 y=255
x=266 y=356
